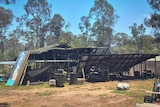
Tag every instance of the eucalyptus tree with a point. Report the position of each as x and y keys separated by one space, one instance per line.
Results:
x=138 y=33
x=6 y=17
x=66 y=38
x=76 y=41
x=85 y=27
x=123 y=44
x=104 y=18
x=36 y=19
x=12 y=42
x=121 y=39
x=7 y=1
x=55 y=26
x=150 y=44
x=100 y=22
x=154 y=20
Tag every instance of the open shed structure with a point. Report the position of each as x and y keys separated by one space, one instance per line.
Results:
x=44 y=62
x=112 y=63
x=97 y=63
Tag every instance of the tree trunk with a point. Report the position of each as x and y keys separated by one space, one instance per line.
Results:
x=42 y=42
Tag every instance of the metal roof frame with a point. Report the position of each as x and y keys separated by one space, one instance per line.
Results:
x=116 y=62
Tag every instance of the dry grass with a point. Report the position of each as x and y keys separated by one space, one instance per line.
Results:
x=102 y=94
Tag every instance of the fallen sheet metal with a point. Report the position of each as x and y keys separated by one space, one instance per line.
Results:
x=18 y=69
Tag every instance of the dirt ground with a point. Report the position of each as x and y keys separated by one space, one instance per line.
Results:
x=86 y=95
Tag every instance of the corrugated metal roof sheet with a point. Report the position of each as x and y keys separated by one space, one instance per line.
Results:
x=116 y=62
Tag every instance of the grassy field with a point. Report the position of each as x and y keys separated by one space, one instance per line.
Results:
x=138 y=90
x=101 y=94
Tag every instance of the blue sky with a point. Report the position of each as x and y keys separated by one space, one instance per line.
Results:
x=129 y=11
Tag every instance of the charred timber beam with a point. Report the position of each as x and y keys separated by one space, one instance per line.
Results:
x=52 y=61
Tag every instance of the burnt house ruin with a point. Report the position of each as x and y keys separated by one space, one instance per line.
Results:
x=96 y=62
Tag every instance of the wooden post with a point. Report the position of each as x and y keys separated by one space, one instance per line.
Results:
x=83 y=73
x=108 y=72
x=68 y=67
x=157 y=75
x=23 y=75
x=145 y=66
x=141 y=71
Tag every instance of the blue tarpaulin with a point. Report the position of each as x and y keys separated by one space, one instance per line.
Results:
x=1 y=79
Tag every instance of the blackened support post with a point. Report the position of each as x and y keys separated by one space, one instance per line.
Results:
x=141 y=71
x=156 y=69
x=108 y=72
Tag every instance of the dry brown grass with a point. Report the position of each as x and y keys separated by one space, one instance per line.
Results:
x=102 y=94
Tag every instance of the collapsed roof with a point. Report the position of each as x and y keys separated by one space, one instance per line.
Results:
x=63 y=52
x=91 y=56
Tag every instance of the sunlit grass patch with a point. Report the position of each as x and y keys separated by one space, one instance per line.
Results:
x=23 y=87
x=142 y=84
x=2 y=84
x=138 y=96
x=137 y=89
